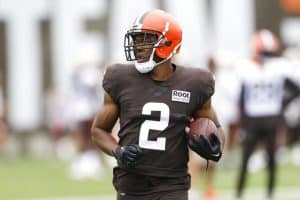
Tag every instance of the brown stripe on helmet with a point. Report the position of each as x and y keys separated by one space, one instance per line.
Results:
x=140 y=18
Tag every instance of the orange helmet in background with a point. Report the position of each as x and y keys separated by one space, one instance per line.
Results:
x=168 y=38
x=265 y=42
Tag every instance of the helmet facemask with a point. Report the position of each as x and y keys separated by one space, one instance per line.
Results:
x=140 y=46
x=139 y=40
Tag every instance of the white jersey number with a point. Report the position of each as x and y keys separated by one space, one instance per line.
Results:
x=147 y=125
x=264 y=98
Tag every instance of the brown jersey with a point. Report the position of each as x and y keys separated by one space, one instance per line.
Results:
x=153 y=114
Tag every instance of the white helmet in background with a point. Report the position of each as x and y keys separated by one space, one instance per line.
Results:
x=265 y=42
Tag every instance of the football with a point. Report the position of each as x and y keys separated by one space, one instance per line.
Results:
x=201 y=126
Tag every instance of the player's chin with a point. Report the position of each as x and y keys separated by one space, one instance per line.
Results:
x=142 y=57
x=142 y=60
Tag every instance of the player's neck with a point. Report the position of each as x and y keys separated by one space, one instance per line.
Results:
x=163 y=71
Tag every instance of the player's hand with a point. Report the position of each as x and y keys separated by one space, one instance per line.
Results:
x=128 y=155
x=208 y=147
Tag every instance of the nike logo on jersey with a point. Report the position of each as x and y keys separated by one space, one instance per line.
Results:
x=181 y=96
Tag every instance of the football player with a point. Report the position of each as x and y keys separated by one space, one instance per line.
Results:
x=153 y=98
x=87 y=94
x=264 y=79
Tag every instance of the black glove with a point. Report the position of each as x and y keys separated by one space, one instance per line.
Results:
x=128 y=155
x=208 y=147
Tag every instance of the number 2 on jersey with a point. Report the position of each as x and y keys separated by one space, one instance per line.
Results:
x=147 y=125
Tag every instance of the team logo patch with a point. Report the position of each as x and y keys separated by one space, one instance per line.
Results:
x=181 y=96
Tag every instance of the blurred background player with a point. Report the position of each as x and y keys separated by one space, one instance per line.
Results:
x=87 y=96
x=264 y=82
x=58 y=122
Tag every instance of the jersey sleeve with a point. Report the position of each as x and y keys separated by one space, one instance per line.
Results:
x=207 y=87
x=110 y=82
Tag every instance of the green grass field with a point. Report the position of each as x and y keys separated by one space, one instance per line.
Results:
x=25 y=179
x=47 y=179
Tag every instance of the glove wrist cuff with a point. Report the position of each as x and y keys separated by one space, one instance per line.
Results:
x=115 y=152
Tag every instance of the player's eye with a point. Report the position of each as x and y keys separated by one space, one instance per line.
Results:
x=150 y=38
x=144 y=38
x=138 y=39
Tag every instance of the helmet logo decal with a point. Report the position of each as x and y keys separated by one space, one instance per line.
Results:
x=138 y=22
x=166 y=28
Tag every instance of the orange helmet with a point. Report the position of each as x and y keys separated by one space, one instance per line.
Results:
x=168 y=36
x=264 y=41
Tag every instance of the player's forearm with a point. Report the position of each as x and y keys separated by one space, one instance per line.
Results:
x=220 y=132
x=104 y=140
x=293 y=91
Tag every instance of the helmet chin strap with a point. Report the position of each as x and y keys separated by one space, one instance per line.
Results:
x=145 y=67
x=148 y=66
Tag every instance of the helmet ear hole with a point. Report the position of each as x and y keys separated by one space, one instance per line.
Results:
x=162 y=51
x=168 y=43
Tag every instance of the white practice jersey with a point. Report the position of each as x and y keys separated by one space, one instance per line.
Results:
x=87 y=92
x=263 y=86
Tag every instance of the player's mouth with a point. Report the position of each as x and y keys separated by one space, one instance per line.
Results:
x=142 y=56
